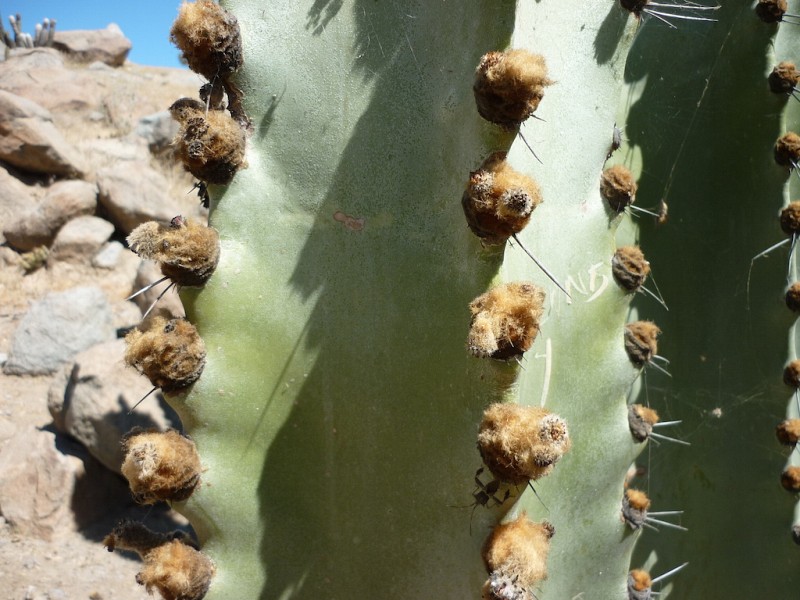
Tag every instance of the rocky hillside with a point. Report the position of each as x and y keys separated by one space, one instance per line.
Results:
x=85 y=157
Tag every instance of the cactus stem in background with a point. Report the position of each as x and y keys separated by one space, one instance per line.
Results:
x=172 y=564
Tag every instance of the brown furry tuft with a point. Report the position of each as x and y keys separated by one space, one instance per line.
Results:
x=629 y=268
x=790 y=218
x=187 y=252
x=509 y=86
x=521 y=443
x=634 y=507
x=787 y=149
x=641 y=342
x=618 y=187
x=638 y=581
x=518 y=550
x=788 y=432
x=210 y=144
x=499 y=201
x=792 y=297
x=790 y=479
x=641 y=420
x=791 y=374
x=171 y=564
x=209 y=38
x=771 y=11
x=160 y=466
x=505 y=320
x=783 y=78
x=171 y=354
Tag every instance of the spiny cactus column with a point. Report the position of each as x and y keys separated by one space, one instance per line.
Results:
x=715 y=168
x=338 y=408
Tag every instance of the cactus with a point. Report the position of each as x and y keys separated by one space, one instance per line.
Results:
x=342 y=389
x=44 y=33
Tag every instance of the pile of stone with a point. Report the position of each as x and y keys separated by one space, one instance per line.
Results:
x=84 y=159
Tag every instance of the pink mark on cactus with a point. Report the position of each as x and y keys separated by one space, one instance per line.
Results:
x=352 y=223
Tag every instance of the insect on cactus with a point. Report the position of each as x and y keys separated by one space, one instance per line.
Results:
x=364 y=330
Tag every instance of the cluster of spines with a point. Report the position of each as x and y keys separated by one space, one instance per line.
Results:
x=166 y=466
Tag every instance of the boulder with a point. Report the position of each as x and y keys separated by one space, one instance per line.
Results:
x=57 y=327
x=39 y=74
x=108 y=45
x=15 y=198
x=108 y=256
x=80 y=239
x=30 y=141
x=36 y=483
x=133 y=193
x=39 y=222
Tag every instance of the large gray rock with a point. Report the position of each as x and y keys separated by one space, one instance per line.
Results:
x=80 y=239
x=57 y=327
x=108 y=45
x=30 y=141
x=36 y=483
x=91 y=399
x=39 y=222
x=133 y=193
x=15 y=198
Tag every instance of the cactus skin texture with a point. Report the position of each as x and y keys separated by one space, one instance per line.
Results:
x=337 y=413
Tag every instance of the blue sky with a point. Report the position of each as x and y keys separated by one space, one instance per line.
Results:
x=145 y=22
